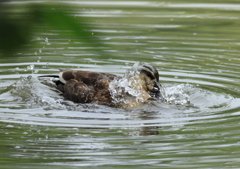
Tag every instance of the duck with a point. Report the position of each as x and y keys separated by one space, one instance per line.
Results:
x=108 y=89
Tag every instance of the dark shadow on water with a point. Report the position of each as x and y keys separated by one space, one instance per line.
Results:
x=17 y=28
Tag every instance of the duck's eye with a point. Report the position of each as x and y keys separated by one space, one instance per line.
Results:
x=155 y=89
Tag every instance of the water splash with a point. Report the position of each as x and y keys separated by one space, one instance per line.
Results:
x=30 y=68
x=128 y=86
x=191 y=96
x=29 y=93
x=177 y=94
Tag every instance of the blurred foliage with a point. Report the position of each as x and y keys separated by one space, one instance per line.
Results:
x=17 y=28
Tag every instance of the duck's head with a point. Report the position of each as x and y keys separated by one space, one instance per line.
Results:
x=150 y=81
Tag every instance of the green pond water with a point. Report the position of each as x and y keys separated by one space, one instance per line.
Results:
x=195 y=46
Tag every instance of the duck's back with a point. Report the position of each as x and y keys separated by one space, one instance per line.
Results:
x=85 y=86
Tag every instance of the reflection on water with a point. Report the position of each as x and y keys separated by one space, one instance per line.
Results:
x=195 y=47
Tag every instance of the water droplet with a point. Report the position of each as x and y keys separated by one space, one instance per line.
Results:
x=30 y=67
x=9 y=125
x=39 y=58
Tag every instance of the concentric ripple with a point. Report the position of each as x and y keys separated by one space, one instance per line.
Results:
x=37 y=101
x=194 y=46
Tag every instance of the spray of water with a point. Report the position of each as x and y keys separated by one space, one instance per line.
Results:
x=127 y=86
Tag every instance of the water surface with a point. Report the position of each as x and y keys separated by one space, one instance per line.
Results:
x=195 y=47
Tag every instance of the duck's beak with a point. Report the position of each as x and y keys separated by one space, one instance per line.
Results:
x=155 y=93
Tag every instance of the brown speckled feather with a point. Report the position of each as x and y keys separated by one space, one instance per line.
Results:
x=85 y=86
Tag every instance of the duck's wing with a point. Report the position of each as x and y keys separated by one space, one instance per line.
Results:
x=87 y=77
x=85 y=86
